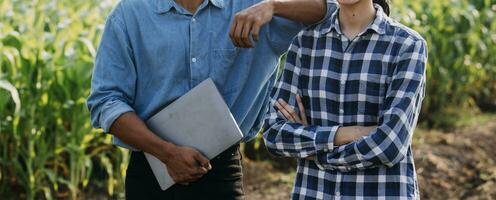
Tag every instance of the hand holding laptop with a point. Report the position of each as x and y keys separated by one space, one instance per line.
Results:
x=207 y=126
x=185 y=164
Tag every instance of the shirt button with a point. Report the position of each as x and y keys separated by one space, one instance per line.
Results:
x=341 y=111
x=193 y=59
x=343 y=82
x=193 y=20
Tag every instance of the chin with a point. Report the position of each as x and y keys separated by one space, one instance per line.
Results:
x=348 y=2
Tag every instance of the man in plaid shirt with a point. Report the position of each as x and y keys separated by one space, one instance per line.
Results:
x=376 y=79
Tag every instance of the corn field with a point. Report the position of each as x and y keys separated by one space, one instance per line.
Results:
x=48 y=149
x=461 y=36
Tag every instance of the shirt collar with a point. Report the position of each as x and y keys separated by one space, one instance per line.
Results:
x=218 y=3
x=378 y=25
x=163 y=6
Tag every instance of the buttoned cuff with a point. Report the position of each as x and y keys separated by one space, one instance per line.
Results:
x=324 y=139
x=321 y=162
x=111 y=111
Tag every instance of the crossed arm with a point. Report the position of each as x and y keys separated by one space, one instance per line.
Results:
x=384 y=145
x=344 y=135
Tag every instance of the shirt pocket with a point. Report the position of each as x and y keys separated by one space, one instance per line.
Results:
x=374 y=85
x=373 y=88
x=223 y=70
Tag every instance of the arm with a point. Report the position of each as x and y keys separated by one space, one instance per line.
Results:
x=182 y=162
x=250 y=21
x=344 y=135
x=285 y=138
x=388 y=144
x=112 y=93
x=304 y=11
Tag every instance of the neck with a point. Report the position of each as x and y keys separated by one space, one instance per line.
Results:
x=190 y=5
x=355 y=18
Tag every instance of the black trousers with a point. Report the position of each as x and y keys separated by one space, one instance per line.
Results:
x=224 y=181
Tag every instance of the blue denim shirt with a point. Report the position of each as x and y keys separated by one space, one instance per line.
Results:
x=154 y=51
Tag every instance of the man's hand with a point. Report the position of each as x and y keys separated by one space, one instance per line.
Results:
x=185 y=164
x=249 y=22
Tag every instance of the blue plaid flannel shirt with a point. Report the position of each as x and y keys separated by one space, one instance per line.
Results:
x=378 y=79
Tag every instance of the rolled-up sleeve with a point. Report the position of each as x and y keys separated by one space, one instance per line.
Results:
x=388 y=144
x=114 y=76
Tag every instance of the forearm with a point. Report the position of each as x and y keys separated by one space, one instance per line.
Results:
x=297 y=141
x=348 y=134
x=304 y=11
x=379 y=148
x=132 y=130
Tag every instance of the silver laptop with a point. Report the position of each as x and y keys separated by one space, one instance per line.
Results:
x=199 y=119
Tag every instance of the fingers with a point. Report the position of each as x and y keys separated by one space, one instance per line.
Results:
x=204 y=162
x=249 y=21
x=245 y=35
x=290 y=113
x=290 y=110
x=202 y=170
x=236 y=34
x=190 y=166
x=244 y=25
x=232 y=30
x=302 y=110
x=238 y=28
x=255 y=31
x=284 y=112
x=235 y=31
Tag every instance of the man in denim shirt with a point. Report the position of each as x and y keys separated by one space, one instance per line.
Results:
x=154 y=51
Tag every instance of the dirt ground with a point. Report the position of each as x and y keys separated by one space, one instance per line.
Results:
x=450 y=165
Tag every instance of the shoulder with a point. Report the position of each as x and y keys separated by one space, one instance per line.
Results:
x=307 y=37
x=403 y=34
x=320 y=29
x=133 y=7
x=410 y=46
x=127 y=11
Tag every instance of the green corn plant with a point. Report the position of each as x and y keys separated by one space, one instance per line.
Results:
x=48 y=148
x=461 y=37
